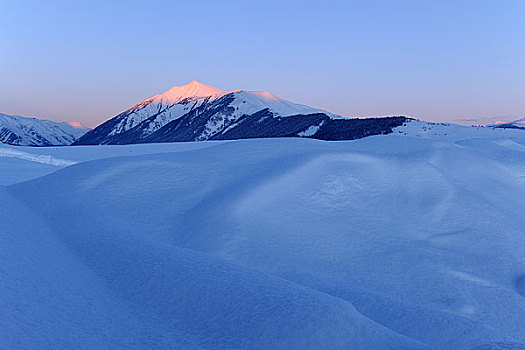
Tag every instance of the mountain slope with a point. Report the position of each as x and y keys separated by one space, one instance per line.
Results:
x=196 y=112
x=23 y=131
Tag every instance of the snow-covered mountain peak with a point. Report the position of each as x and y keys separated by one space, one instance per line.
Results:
x=246 y=101
x=194 y=89
x=197 y=111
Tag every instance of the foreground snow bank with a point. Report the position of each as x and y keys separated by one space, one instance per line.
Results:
x=93 y=289
x=19 y=163
x=386 y=242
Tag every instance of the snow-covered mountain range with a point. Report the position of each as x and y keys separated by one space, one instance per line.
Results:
x=196 y=112
x=24 y=131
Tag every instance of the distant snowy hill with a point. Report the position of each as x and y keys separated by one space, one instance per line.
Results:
x=454 y=132
x=196 y=112
x=24 y=131
x=516 y=124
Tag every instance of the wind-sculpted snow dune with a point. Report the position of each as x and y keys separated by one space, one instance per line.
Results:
x=383 y=243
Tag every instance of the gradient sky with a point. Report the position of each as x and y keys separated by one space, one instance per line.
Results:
x=435 y=60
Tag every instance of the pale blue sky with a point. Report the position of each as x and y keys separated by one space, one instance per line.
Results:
x=436 y=60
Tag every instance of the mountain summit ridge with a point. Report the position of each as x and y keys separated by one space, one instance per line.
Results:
x=194 y=89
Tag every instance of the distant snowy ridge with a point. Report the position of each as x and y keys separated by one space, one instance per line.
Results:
x=24 y=131
x=197 y=112
x=516 y=124
x=453 y=132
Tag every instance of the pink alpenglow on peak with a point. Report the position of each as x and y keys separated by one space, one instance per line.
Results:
x=205 y=112
x=266 y=95
x=245 y=101
x=194 y=89
x=77 y=125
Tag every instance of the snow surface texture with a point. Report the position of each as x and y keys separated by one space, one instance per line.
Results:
x=388 y=242
x=19 y=164
x=16 y=130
